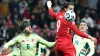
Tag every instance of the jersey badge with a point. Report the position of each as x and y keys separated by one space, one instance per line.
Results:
x=60 y=16
x=32 y=40
x=23 y=41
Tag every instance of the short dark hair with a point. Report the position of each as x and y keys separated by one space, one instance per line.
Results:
x=66 y=5
x=23 y=25
x=83 y=21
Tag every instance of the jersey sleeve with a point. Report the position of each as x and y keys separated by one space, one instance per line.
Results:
x=12 y=42
x=92 y=48
x=14 y=53
x=52 y=13
x=43 y=46
x=46 y=43
x=76 y=30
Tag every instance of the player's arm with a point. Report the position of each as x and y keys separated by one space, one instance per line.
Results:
x=46 y=43
x=47 y=52
x=91 y=46
x=10 y=43
x=52 y=13
x=76 y=30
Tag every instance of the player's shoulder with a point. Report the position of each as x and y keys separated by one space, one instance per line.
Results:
x=19 y=35
x=88 y=40
x=35 y=35
x=72 y=22
x=75 y=36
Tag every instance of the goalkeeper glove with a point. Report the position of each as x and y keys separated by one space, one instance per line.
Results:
x=49 y=4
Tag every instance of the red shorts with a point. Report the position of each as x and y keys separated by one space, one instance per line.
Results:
x=65 y=50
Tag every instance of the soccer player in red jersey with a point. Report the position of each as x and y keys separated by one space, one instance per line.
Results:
x=64 y=43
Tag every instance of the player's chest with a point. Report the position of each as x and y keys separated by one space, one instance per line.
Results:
x=28 y=43
x=25 y=40
x=79 y=41
x=28 y=40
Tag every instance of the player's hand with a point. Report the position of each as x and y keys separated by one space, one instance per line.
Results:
x=5 y=48
x=93 y=39
x=49 y=4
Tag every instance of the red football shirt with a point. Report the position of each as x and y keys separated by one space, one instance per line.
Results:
x=64 y=28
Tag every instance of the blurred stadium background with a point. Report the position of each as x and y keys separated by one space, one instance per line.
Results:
x=14 y=11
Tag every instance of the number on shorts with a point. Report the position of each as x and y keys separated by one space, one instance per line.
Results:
x=58 y=25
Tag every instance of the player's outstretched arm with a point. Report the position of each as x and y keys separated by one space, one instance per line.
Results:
x=78 y=32
x=47 y=52
x=46 y=43
x=10 y=43
x=52 y=13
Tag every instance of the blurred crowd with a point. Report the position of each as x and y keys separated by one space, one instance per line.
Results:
x=37 y=13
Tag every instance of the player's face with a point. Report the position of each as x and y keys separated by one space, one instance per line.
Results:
x=28 y=29
x=70 y=7
x=83 y=27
